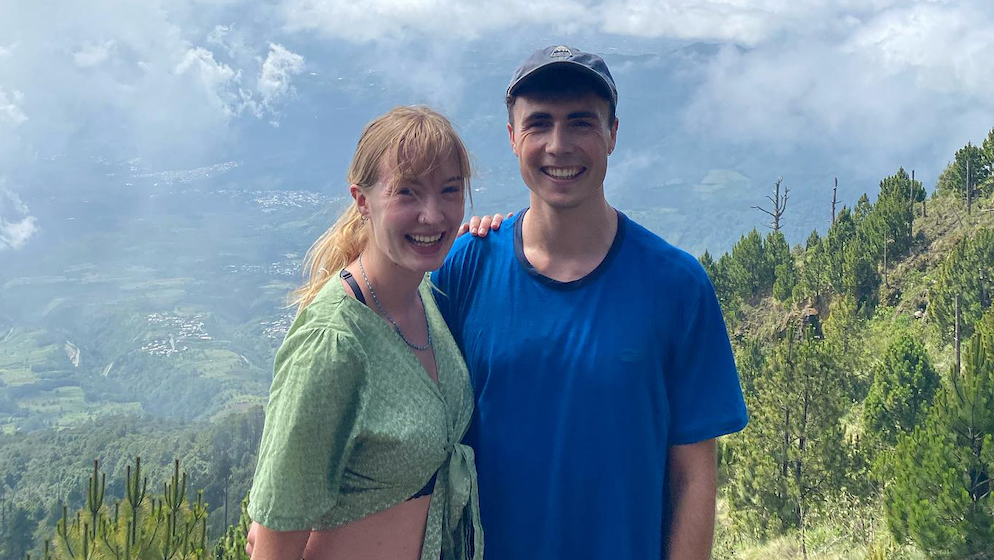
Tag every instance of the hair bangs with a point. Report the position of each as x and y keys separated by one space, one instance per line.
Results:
x=423 y=146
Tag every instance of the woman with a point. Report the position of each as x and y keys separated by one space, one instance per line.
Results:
x=370 y=396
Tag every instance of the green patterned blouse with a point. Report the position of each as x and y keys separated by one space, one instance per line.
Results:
x=354 y=426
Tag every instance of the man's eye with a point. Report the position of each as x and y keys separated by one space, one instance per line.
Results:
x=584 y=124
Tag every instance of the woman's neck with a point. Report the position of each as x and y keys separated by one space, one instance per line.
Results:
x=396 y=287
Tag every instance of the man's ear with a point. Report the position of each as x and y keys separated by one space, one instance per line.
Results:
x=614 y=136
x=510 y=138
x=359 y=196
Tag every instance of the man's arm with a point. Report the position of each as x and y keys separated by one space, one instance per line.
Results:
x=693 y=483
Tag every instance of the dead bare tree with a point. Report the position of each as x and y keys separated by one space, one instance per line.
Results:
x=835 y=199
x=969 y=189
x=779 y=204
x=911 y=202
x=957 y=337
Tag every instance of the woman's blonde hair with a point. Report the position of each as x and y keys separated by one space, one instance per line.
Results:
x=417 y=140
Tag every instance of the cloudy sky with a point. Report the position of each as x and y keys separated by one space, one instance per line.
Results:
x=182 y=80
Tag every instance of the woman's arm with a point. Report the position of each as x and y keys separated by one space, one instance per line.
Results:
x=276 y=545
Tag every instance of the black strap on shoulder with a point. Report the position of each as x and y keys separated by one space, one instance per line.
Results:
x=350 y=280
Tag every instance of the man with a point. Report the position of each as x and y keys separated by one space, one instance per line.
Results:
x=599 y=357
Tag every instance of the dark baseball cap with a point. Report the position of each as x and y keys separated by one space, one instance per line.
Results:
x=562 y=57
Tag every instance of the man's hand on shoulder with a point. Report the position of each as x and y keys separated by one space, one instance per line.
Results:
x=479 y=227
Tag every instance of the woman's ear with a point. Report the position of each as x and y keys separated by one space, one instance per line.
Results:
x=359 y=196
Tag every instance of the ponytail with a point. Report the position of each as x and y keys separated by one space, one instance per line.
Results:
x=335 y=249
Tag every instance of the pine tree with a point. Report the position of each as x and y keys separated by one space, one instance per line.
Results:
x=143 y=526
x=814 y=278
x=940 y=498
x=969 y=272
x=749 y=268
x=987 y=159
x=860 y=278
x=839 y=236
x=794 y=453
x=723 y=288
x=970 y=159
x=784 y=268
x=904 y=384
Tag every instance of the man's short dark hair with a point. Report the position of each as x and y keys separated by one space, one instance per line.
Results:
x=562 y=82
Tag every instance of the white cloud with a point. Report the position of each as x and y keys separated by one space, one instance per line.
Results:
x=92 y=54
x=13 y=235
x=905 y=78
x=949 y=48
x=9 y=109
x=218 y=81
x=277 y=70
x=16 y=226
x=432 y=20
x=232 y=40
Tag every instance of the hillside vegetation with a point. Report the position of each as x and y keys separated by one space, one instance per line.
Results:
x=867 y=360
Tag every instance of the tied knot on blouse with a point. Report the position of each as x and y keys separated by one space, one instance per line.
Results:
x=461 y=535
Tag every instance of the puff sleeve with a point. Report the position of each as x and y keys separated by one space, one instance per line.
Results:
x=314 y=414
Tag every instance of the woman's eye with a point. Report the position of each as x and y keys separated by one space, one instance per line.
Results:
x=450 y=190
x=404 y=192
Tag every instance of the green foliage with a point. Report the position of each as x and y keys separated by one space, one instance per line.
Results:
x=838 y=239
x=42 y=469
x=144 y=526
x=814 y=278
x=794 y=452
x=941 y=497
x=231 y=546
x=904 y=384
x=954 y=177
x=987 y=155
x=723 y=289
x=968 y=271
x=16 y=533
x=750 y=271
x=784 y=270
x=890 y=219
x=860 y=279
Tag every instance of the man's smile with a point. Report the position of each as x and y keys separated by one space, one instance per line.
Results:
x=563 y=173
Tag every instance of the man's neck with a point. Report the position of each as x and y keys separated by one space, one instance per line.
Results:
x=567 y=244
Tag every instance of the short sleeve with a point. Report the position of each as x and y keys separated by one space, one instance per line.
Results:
x=315 y=408
x=705 y=396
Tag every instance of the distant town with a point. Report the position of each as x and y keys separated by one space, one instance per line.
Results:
x=182 y=330
x=276 y=330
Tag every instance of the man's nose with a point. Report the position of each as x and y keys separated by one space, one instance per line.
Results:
x=559 y=140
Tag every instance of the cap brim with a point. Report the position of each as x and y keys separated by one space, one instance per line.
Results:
x=560 y=66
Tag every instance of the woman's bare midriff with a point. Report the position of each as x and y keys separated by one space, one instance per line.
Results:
x=395 y=533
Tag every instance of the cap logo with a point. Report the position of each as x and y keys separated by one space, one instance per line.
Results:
x=561 y=52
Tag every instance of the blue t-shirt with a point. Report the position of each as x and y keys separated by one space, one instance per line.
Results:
x=582 y=386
